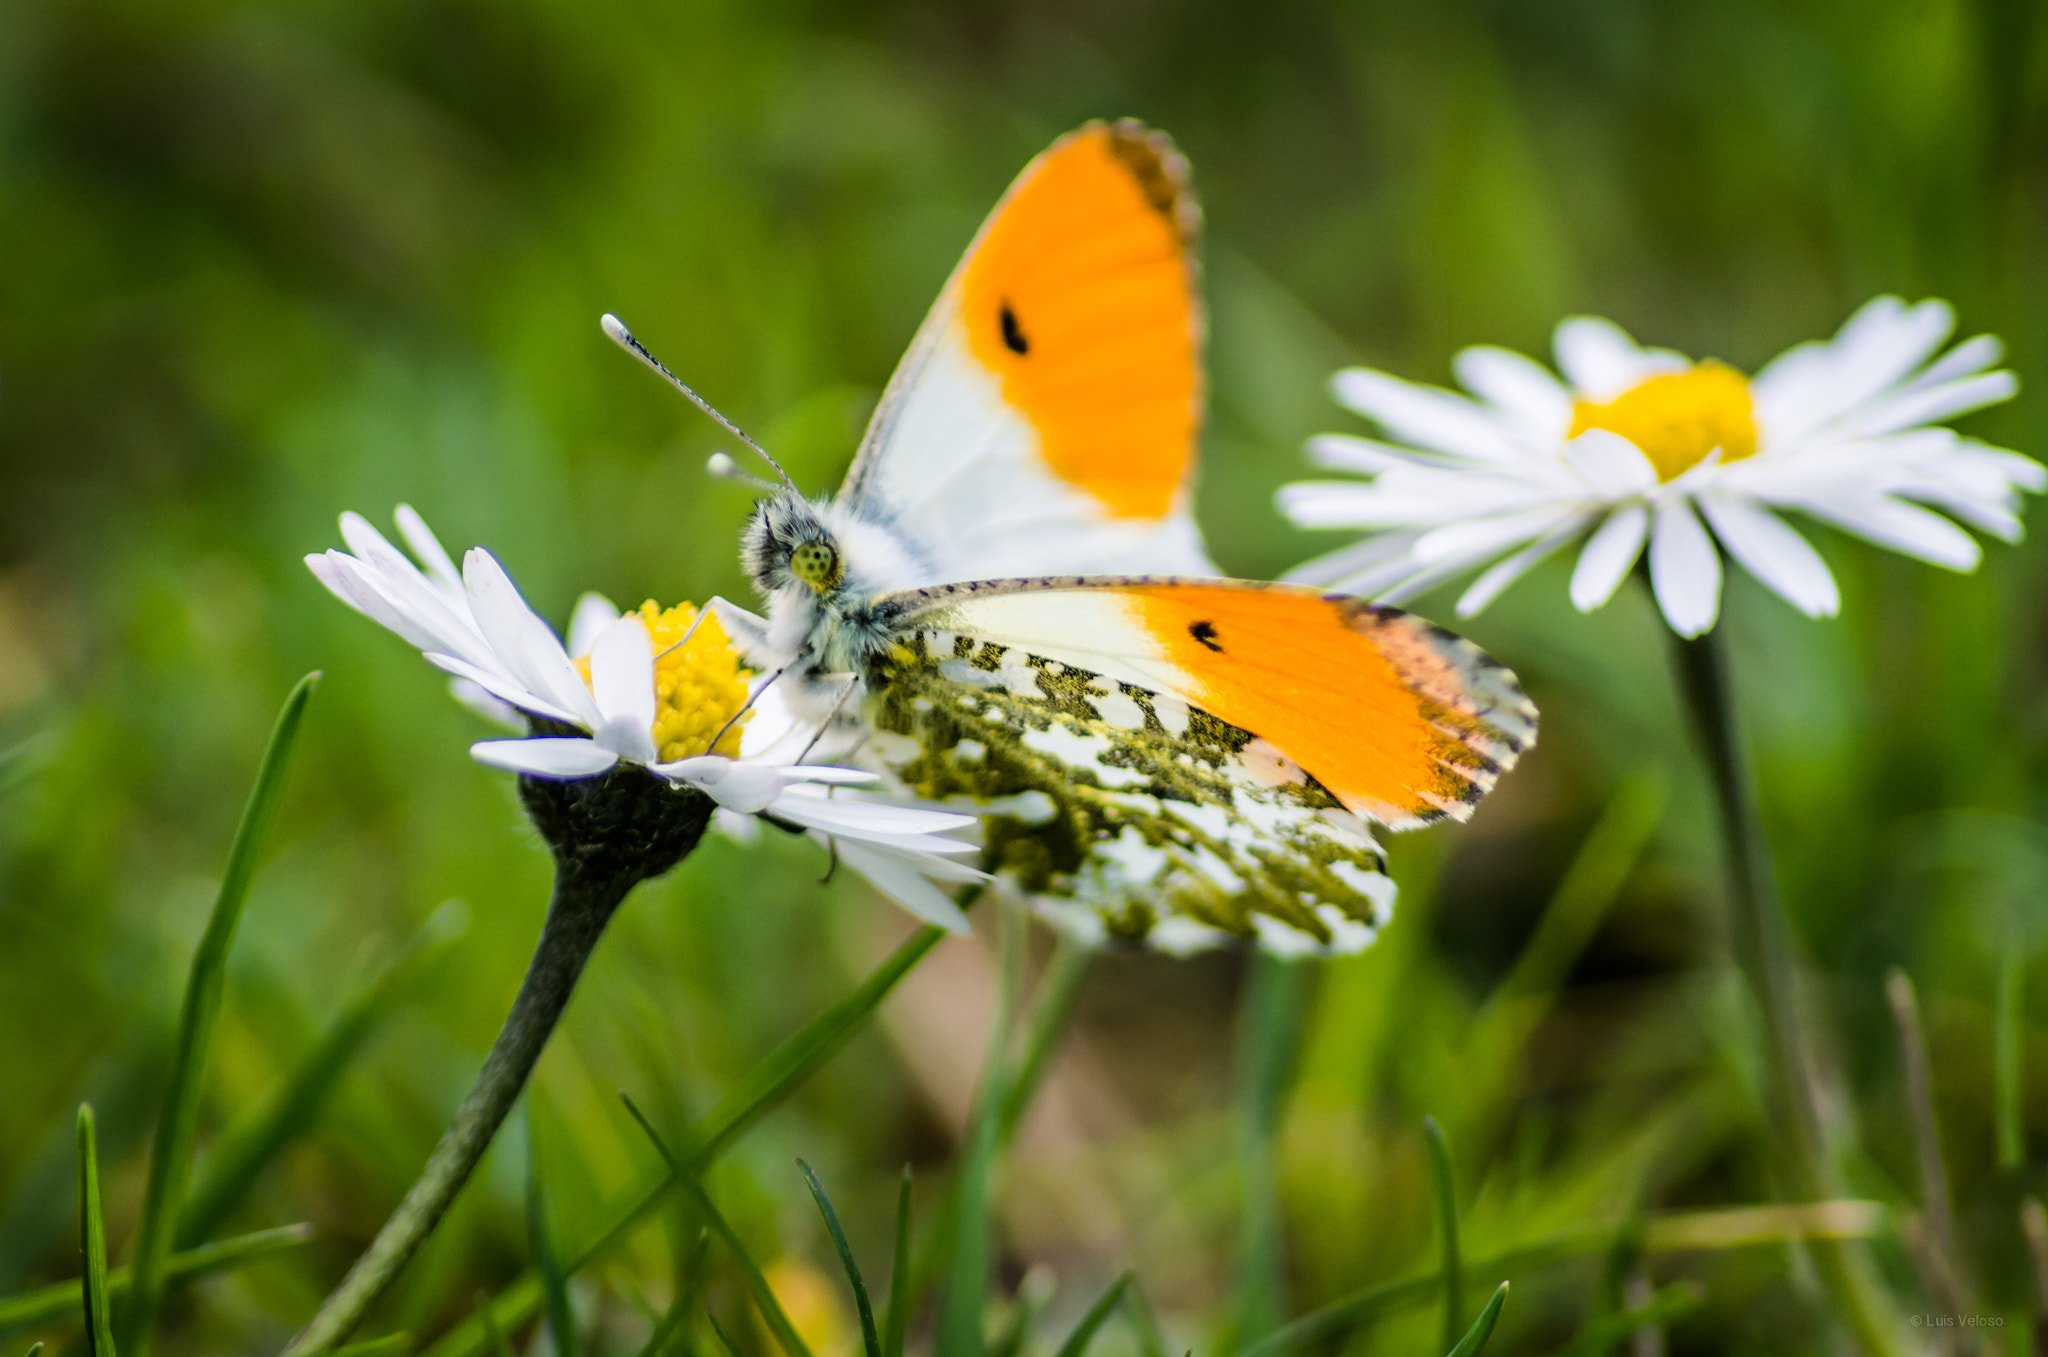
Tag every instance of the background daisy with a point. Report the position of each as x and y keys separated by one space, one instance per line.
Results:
x=1636 y=446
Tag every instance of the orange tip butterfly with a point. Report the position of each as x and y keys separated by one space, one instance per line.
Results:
x=1008 y=602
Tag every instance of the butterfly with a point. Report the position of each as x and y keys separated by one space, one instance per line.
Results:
x=1009 y=601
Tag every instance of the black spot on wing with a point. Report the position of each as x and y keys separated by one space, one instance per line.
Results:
x=1205 y=632
x=1013 y=333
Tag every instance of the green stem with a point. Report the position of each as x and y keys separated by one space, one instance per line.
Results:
x=582 y=905
x=1763 y=951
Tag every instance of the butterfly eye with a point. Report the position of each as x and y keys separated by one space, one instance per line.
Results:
x=817 y=564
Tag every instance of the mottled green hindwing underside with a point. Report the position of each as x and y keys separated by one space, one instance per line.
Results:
x=1151 y=820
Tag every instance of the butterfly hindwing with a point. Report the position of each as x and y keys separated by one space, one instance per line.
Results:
x=1124 y=811
x=1211 y=750
x=1047 y=412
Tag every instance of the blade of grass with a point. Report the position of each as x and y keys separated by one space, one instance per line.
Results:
x=2008 y=1051
x=387 y=1346
x=687 y=1297
x=732 y=1349
x=1597 y=1338
x=1476 y=1337
x=784 y=1068
x=871 y=1343
x=248 y=1148
x=771 y=1309
x=501 y=1346
x=899 y=1276
x=1447 y=1221
x=1137 y=1309
x=99 y=1307
x=62 y=1300
x=1053 y=1007
x=35 y=1350
x=170 y=1164
x=554 y=1283
x=1680 y=1232
x=966 y=1296
x=1033 y=1294
x=1266 y=1049
x=1084 y=1332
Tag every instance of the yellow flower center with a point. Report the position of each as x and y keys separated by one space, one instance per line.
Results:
x=697 y=687
x=1677 y=418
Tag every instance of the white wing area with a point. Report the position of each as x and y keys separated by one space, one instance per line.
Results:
x=956 y=471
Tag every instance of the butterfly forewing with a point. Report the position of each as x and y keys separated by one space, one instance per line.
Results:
x=1046 y=415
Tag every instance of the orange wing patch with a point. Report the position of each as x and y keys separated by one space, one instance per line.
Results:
x=1079 y=296
x=1397 y=718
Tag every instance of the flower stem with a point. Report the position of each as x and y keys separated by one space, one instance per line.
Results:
x=1763 y=951
x=608 y=834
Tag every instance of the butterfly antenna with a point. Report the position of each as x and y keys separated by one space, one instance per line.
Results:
x=620 y=335
x=721 y=465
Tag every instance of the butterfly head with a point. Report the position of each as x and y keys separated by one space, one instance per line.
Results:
x=787 y=543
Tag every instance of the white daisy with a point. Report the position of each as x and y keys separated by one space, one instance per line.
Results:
x=660 y=689
x=1644 y=445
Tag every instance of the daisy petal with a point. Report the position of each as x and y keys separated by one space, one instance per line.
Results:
x=1518 y=387
x=1774 y=552
x=1903 y=527
x=428 y=549
x=622 y=674
x=343 y=576
x=500 y=687
x=548 y=756
x=1597 y=357
x=748 y=788
x=1615 y=466
x=1932 y=404
x=897 y=878
x=521 y=640
x=1483 y=536
x=592 y=614
x=1685 y=569
x=1608 y=557
x=1490 y=585
x=1426 y=416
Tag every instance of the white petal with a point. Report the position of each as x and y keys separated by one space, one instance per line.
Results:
x=825 y=775
x=1427 y=416
x=1685 y=569
x=1616 y=467
x=1360 y=558
x=592 y=614
x=1774 y=552
x=502 y=687
x=548 y=756
x=1608 y=556
x=521 y=640
x=1488 y=586
x=383 y=569
x=1598 y=358
x=1903 y=527
x=1484 y=536
x=898 y=879
x=622 y=673
x=865 y=818
x=1932 y=404
x=1964 y=360
x=1518 y=387
x=1366 y=456
x=486 y=704
x=428 y=549
x=344 y=577
x=748 y=788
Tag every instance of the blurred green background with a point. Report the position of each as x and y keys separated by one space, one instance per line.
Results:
x=263 y=263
